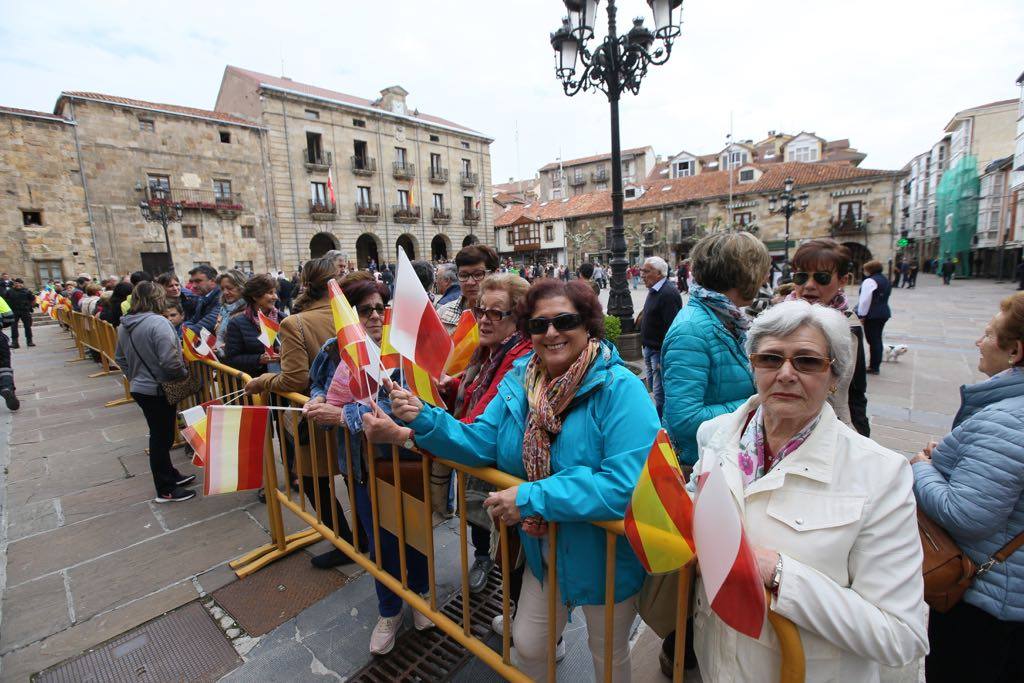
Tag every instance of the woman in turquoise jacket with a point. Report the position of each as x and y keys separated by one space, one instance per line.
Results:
x=575 y=423
x=706 y=371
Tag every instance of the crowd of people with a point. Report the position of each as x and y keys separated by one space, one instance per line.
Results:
x=768 y=383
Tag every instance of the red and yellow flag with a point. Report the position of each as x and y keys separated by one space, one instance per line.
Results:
x=659 y=516
x=193 y=348
x=466 y=339
x=268 y=331
x=236 y=437
x=346 y=320
x=389 y=357
x=421 y=383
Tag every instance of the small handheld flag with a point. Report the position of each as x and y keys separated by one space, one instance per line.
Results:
x=193 y=348
x=236 y=438
x=268 y=331
x=389 y=357
x=466 y=339
x=416 y=331
x=421 y=383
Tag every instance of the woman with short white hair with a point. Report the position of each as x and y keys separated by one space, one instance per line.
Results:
x=830 y=514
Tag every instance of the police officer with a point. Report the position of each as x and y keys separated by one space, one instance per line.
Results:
x=6 y=371
x=21 y=301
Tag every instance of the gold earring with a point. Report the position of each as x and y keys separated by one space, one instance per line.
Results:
x=833 y=390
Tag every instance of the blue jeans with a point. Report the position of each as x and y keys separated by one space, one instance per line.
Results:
x=652 y=368
x=388 y=603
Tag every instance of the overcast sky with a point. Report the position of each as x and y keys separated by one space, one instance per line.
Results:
x=887 y=74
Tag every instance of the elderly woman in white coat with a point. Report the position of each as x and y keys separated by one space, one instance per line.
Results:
x=830 y=514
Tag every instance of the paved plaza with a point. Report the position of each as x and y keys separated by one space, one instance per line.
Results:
x=85 y=555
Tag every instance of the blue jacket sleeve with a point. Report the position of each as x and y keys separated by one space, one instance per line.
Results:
x=686 y=367
x=986 y=483
x=321 y=373
x=473 y=444
x=628 y=423
x=234 y=348
x=208 y=321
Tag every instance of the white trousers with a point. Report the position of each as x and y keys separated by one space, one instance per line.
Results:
x=530 y=631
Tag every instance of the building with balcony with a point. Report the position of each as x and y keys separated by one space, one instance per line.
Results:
x=566 y=178
x=398 y=160
x=1015 y=234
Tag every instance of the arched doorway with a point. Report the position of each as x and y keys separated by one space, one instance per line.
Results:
x=408 y=243
x=440 y=247
x=470 y=240
x=860 y=255
x=367 y=247
x=322 y=243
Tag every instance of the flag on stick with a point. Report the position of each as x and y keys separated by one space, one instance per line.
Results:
x=416 y=331
x=421 y=383
x=465 y=340
x=194 y=348
x=363 y=361
x=330 y=185
x=389 y=358
x=727 y=564
x=236 y=437
x=268 y=332
x=659 y=516
x=346 y=320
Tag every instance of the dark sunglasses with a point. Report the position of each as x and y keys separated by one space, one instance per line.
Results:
x=819 y=277
x=492 y=314
x=563 y=322
x=365 y=310
x=805 y=364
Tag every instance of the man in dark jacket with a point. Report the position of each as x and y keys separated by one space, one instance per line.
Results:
x=663 y=302
x=285 y=292
x=22 y=300
x=873 y=311
x=202 y=281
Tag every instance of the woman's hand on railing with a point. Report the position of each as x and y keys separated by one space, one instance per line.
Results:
x=380 y=428
x=253 y=386
x=404 y=404
x=324 y=413
x=502 y=505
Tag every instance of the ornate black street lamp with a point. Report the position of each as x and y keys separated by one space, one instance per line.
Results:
x=788 y=207
x=159 y=209
x=616 y=65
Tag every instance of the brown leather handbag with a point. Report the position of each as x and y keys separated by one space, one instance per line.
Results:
x=948 y=571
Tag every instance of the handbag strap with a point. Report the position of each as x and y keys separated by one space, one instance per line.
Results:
x=1001 y=555
x=139 y=356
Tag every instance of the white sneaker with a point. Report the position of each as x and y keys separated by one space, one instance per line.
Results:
x=421 y=621
x=382 y=640
x=498 y=622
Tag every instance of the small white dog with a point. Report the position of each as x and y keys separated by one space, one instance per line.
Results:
x=894 y=351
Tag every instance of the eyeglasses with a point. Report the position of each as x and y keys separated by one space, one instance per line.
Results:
x=367 y=310
x=819 y=277
x=563 y=322
x=475 y=277
x=807 y=365
x=492 y=314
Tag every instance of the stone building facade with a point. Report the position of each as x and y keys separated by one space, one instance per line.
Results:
x=44 y=227
x=571 y=177
x=399 y=177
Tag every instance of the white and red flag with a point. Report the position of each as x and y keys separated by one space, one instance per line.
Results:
x=330 y=185
x=416 y=331
x=727 y=564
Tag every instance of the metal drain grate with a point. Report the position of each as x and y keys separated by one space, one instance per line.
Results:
x=266 y=599
x=430 y=656
x=183 y=645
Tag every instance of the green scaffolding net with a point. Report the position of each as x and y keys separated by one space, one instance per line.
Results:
x=956 y=212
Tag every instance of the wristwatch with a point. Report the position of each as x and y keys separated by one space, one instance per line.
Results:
x=410 y=444
x=777 y=576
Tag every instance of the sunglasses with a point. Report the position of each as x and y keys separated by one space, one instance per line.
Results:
x=805 y=364
x=819 y=277
x=366 y=310
x=563 y=322
x=492 y=314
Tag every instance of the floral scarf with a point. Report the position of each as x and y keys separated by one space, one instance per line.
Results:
x=838 y=302
x=547 y=401
x=735 y=320
x=753 y=455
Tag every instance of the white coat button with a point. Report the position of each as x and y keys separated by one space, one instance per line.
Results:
x=799 y=520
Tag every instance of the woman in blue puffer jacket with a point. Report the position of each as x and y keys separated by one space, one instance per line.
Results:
x=971 y=485
x=706 y=371
x=575 y=423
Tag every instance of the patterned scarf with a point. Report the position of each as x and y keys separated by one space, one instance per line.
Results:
x=732 y=317
x=753 y=450
x=547 y=401
x=838 y=302
x=251 y=314
x=480 y=374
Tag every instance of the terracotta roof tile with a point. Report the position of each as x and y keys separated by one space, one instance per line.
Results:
x=156 y=106
x=589 y=160
x=282 y=83
x=33 y=114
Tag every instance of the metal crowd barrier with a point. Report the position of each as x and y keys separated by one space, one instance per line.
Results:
x=409 y=518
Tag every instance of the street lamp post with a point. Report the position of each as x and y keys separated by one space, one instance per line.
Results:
x=616 y=65
x=788 y=207
x=159 y=209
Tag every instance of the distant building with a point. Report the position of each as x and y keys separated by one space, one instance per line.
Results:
x=570 y=177
x=1015 y=235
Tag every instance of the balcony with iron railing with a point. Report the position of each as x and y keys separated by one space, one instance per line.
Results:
x=440 y=216
x=405 y=214
x=200 y=200
x=470 y=216
x=364 y=165
x=438 y=175
x=323 y=211
x=367 y=212
x=317 y=160
x=403 y=170
x=849 y=224
x=600 y=175
x=469 y=179
x=577 y=179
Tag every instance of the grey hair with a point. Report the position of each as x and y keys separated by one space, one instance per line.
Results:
x=659 y=264
x=787 y=317
x=449 y=272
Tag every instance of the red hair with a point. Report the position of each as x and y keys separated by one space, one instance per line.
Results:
x=581 y=295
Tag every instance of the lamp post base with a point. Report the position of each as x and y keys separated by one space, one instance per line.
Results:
x=629 y=346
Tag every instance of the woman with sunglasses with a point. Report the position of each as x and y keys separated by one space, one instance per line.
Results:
x=577 y=425
x=821 y=270
x=830 y=514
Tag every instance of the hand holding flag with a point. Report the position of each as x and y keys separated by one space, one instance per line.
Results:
x=268 y=332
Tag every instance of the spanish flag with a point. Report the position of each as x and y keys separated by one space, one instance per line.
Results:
x=193 y=348
x=194 y=433
x=466 y=339
x=659 y=516
x=421 y=383
x=346 y=320
x=268 y=331
x=389 y=357
x=236 y=437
